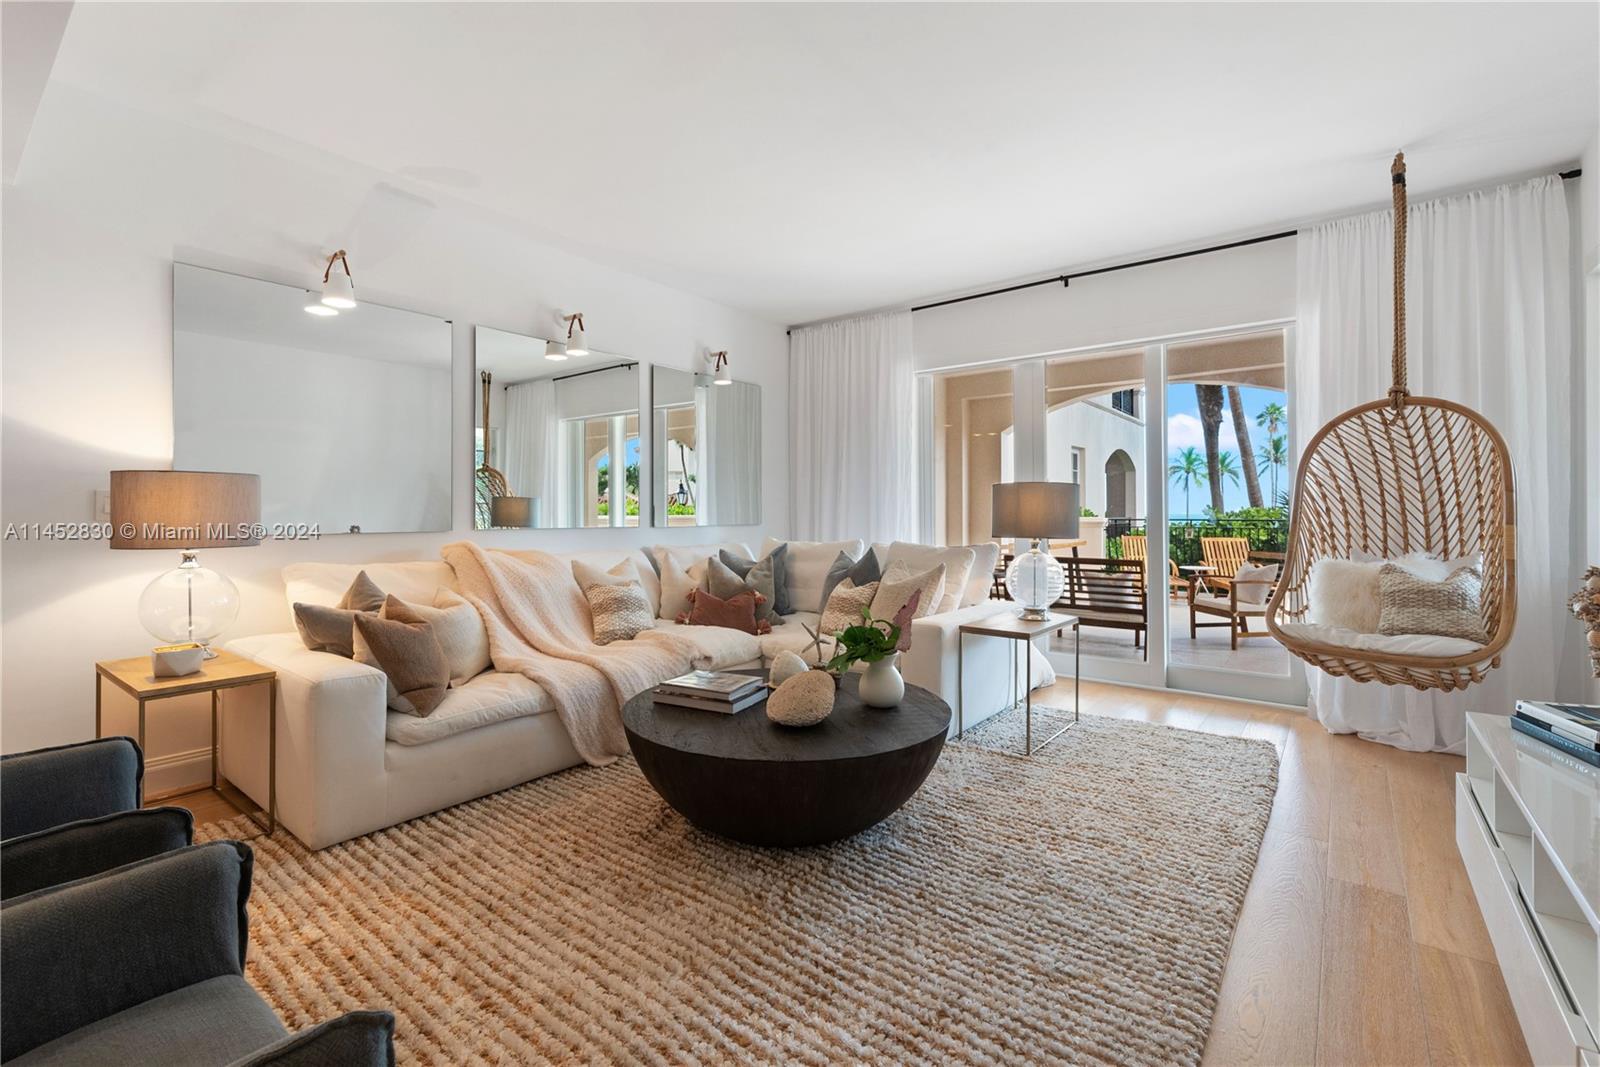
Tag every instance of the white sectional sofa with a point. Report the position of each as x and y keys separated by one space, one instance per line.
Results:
x=346 y=765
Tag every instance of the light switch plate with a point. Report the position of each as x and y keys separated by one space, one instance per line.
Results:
x=102 y=505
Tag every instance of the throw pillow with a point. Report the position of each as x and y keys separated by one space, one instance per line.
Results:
x=619 y=612
x=899 y=584
x=457 y=627
x=806 y=566
x=677 y=583
x=845 y=605
x=845 y=567
x=325 y=629
x=1412 y=605
x=957 y=562
x=980 y=579
x=404 y=649
x=624 y=573
x=724 y=581
x=1252 y=582
x=736 y=613
x=1344 y=593
x=776 y=559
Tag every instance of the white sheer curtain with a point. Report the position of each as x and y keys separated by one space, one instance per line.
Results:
x=1488 y=325
x=731 y=480
x=532 y=458
x=853 y=427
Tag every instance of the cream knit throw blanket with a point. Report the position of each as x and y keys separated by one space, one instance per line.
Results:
x=539 y=627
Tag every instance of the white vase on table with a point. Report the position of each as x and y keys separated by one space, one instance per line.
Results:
x=881 y=685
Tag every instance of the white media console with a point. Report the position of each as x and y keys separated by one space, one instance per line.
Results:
x=1528 y=828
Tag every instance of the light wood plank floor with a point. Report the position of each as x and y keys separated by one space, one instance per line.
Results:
x=1360 y=941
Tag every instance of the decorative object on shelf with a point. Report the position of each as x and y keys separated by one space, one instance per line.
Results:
x=175 y=661
x=1585 y=604
x=1036 y=512
x=877 y=643
x=576 y=345
x=720 y=375
x=488 y=483
x=338 y=290
x=1387 y=477
x=804 y=700
x=186 y=510
x=785 y=665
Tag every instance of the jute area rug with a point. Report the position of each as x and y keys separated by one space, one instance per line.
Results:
x=1076 y=907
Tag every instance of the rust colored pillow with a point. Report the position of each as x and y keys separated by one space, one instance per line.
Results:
x=738 y=612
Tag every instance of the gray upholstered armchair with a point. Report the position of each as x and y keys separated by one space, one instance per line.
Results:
x=145 y=964
x=73 y=811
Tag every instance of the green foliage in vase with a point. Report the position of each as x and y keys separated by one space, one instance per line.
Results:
x=869 y=641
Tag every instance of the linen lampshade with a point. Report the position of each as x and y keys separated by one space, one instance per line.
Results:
x=511 y=511
x=184 y=509
x=1034 y=510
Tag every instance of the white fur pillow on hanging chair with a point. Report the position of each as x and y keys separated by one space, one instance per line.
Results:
x=1345 y=592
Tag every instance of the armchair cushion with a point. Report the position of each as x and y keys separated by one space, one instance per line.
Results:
x=163 y=923
x=355 y=1039
x=90 y=846
x=51 y=786
x=217 y=1021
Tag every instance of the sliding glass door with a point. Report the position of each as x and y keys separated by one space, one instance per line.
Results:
x=1178 y=448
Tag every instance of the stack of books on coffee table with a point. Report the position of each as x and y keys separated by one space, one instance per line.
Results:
x=712 y=691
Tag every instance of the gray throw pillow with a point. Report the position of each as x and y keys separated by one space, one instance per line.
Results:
x=862 y=572
x=325 y=629
x=725 y=582
x=403 y=648
x=778 y=557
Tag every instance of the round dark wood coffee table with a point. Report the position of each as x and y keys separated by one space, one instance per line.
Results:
x=745 y=777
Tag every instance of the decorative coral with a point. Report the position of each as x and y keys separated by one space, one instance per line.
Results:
x=1585 y=604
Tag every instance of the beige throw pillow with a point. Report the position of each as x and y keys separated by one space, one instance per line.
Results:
x=619 y=612
x=587 y=574
x=403 y=647
x=845 y=605
x=899 y=584
x=1252 y=582
x=677 y=583
x=1412 y=605
x=458 y=628
x=957 y=562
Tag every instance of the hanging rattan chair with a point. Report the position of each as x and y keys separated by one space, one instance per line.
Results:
x=1400 y=475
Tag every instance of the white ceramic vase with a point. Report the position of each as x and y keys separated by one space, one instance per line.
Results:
x=881 y=685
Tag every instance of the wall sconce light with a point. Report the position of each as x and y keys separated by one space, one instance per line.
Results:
x=555 y=351
x=719 y=367
x=575 y=345
x=681 y=497
x=338 y=290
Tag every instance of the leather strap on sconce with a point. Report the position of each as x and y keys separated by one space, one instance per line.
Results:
x=718 y=360
x=340 y=257
x=573 y=320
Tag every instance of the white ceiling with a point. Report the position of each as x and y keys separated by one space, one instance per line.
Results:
x=803 y=161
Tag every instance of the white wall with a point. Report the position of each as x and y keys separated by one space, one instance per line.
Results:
x=105 y=200
x=1094 y=426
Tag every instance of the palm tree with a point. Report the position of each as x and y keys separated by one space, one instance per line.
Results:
x=1228 y=467
x=1188 y=469
x=1274 y=454
x=1241 y=430
x=1209 y=401
x=1272 y=418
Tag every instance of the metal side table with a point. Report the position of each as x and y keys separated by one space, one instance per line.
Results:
x=1011 y=628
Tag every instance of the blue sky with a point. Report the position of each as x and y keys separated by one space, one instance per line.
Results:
x=633 y=454
x=1184 y=428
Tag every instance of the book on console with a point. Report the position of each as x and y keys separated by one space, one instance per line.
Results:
x=726 y=707
x=1578 y=721
x=1537 y=730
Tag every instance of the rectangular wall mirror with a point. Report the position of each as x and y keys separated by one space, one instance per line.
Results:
x=345 y=417
x=706 y=448
x=550 y=434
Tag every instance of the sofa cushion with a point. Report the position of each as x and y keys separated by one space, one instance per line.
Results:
x=490 y=697
x=985 y=557
x=1396 y=644
x=402 y=645
x=712 y=651
x=685 y=555
x=900 y=582
x=806 y=567
x=793 y=638
x=417 y=581
x=1219 y=603
x=863 y=571
x=216 y=1021
x=919 y=558
x=459 y=630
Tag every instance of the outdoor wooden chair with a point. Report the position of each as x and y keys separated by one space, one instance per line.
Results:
x=1223 y=556
x=1236 y=602
x=1137 y=546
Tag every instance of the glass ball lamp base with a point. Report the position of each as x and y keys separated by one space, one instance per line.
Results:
x=1034 y=581
x=189 y=603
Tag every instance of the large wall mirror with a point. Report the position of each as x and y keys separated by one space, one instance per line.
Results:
x=706 y=449
x=345 y=417
x=556 y=441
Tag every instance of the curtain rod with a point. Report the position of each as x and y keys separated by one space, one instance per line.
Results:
x=581 y=373
x=1066 y=279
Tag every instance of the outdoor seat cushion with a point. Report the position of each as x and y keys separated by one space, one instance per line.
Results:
x=1396 y=644
x=1221 y=603
x=490 y=697
x=212 y=1022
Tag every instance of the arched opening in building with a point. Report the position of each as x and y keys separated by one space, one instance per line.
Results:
x=1122 y=489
